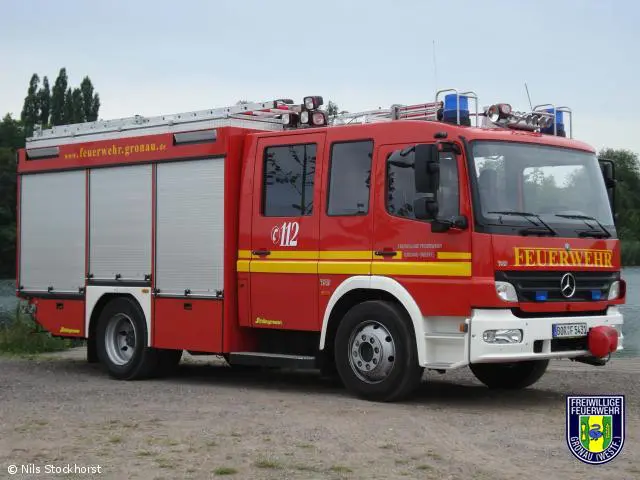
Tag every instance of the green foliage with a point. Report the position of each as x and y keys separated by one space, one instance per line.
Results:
x=62 y=106
x=31 y=108
x=11 y=133
x=22 y=335
x=627 y=192
x=57 y=98
x=7 y=211
x=44 y=102
x=90 y=101
x=630 y=252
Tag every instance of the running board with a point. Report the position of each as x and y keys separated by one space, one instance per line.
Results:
x=273 y=360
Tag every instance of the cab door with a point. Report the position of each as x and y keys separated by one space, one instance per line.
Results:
x=434 y=267
x=285 y=232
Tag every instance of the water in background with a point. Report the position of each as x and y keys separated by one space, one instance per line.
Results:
x=8 y=299
x=631 y=311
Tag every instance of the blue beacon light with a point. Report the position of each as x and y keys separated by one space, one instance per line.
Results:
x=559 y=122
x=450 y=110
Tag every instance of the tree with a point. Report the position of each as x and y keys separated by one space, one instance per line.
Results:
x=44 y=102
x=58 y=98
x=90 y=101
x=627 y=191
x=11 y=133
x=31 y=109
x=67 y=108
x=77 y=106
x=11 y=137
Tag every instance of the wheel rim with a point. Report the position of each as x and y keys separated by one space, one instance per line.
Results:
x=372 y=352
x=120 y=339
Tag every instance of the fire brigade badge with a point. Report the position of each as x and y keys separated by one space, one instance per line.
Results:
x=595 y=427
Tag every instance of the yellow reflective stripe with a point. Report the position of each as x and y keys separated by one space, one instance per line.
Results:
x=345 y=268
x=444 y=269
x=418 y=269
x=293 y=254
x=283 y=266
x=244 y=253
x=242 y=265
x=346 y=255
x=454 y=255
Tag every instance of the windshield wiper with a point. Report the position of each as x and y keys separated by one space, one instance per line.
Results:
x=584 y=218
x=547 y=229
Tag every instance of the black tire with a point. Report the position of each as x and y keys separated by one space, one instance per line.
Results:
x=510 y=376
x=144 y=359
x=404 y=373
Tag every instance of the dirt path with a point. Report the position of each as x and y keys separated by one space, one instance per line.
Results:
x=59 y=410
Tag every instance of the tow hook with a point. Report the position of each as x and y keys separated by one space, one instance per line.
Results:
x=591 y=360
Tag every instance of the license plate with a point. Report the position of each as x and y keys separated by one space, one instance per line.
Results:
x=563 y=330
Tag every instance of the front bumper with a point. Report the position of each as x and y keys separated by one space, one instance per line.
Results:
x=537 y=339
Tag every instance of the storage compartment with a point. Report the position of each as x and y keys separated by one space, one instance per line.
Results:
x=188 y=324
x=190 y=227
x=61 y=317
x=120 y=223
x=52 y=232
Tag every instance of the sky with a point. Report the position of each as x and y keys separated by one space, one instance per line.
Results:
x=153 y=57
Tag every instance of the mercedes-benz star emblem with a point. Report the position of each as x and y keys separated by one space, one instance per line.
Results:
x=568 y=285
x=567 y=247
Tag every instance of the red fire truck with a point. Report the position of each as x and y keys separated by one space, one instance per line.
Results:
x=372 y=245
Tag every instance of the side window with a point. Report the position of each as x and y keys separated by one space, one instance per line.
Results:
x=350 y=178
x=287 y=187
x=401 y=190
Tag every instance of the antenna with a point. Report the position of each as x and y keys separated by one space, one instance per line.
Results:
x=435 y=67
x=528 y=96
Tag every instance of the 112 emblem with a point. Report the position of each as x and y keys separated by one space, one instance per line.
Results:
x=285 y=235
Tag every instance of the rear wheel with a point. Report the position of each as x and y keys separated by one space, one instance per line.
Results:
x=375 y=352
x=121 y=340
x=511 y=376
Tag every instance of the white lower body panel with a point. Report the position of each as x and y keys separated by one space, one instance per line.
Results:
x=141 y=294
x=532 y=329
x=447 y=348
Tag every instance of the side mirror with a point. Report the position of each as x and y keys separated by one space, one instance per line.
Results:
x=426 y=208
x=609 y=174
x=427 y=169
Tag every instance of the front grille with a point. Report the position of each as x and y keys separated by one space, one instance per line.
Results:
x=529 y=284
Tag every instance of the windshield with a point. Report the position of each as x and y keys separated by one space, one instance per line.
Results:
x=550 y=185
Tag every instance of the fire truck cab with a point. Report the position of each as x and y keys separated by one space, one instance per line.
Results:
x=383 y=244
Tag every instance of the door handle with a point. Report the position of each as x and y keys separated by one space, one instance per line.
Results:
x=261 y=252
x=386 y=253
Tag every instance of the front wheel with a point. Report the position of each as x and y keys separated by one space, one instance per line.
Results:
x=375 y=352
x=510 y=376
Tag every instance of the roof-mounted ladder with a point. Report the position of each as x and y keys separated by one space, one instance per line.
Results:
x=260 y=116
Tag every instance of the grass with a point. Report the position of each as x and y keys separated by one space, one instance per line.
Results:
x=340 y=469
x=225 y=471
x=268 y=464
x=21 y=335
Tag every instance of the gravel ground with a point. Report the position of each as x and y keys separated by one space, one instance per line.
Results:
x=209 y=421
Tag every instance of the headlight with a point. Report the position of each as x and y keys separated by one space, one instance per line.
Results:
x=502 y=336
x=506 y=291
x=614 y=290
